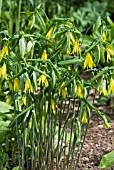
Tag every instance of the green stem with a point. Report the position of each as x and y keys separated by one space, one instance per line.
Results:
x=82 y=146
x=18 y=16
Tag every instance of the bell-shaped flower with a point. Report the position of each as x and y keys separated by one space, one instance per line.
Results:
x=78 y=91
x=76 y=48
x=111 y=89
x=16 y=85
x=43 y=80
x=4 y=50
x=44 y=55
x=89 y=62
x=64 y=90
x=3 y=72
x=84 y=118
x=49 y=34
x=28 y=86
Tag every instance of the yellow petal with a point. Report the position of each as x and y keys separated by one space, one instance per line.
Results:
x=28 y=86
x=78 y=91
x=44 y=55
x=89 y=61
x=84 y=118
x=52 y=104
x=3 y=72
x=5 y=50
x=49 y=34
x=16 y=84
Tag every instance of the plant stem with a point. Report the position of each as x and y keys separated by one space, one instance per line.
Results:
x=18 y=16
x=82 y=146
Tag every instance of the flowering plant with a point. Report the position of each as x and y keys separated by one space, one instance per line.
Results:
x=42 y=77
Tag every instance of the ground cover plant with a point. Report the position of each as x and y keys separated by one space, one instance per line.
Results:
x=42 y=81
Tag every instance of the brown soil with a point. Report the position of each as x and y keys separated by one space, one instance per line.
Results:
x=99 y=141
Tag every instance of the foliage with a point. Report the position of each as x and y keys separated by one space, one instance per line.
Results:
x=107 y=160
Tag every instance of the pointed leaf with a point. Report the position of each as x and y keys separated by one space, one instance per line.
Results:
x=107 y=160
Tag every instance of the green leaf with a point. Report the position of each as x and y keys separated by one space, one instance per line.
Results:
x=53 y=78
x=73 y=61
x=97 y=24
x=31 y=21
x=4 y=107
x=22 y=46
x=16 y=168
x=107 y=160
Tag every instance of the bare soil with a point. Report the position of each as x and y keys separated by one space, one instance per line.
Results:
x=99 y=141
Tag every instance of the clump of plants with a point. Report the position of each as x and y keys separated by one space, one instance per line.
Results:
x=42 y=78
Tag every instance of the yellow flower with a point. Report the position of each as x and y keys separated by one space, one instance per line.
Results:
x=104 y=37
x=64 y=91
x=69 y=68
x=27 y=55
x=68 y=51
x=111 y=89
x=43 y=80
x=4 y=50
x=28 y=86
x=84 y=118
x=108 y=55
x=16 y=84
x=78 y=91
x=9 y=100
x=44 y=55
x=76 y=48
x=3 y=72
x=89 y=61
x=0 y=57
x=49 y=34
x=110 y=52
x=25 y=100
x=52 y=104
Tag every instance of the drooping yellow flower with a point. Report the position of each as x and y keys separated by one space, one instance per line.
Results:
x=64 y=91
x=25 y=100
x=111 y=89
x=52 y=104
x=78 y=91
x=49 y=34
x=43 y=80
x=89 y=61
x=110 y=52
x=4 y=50
x=44 y=55
x=84 y=118
x=69 y=68
x=9 y=100
x=16 y=85
x=68 y=51
x=76 y=48
x=104 y=37
x=1 y=57
x=28 y=86
x=27 y=55
x=3 y=72
x=108 y=55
